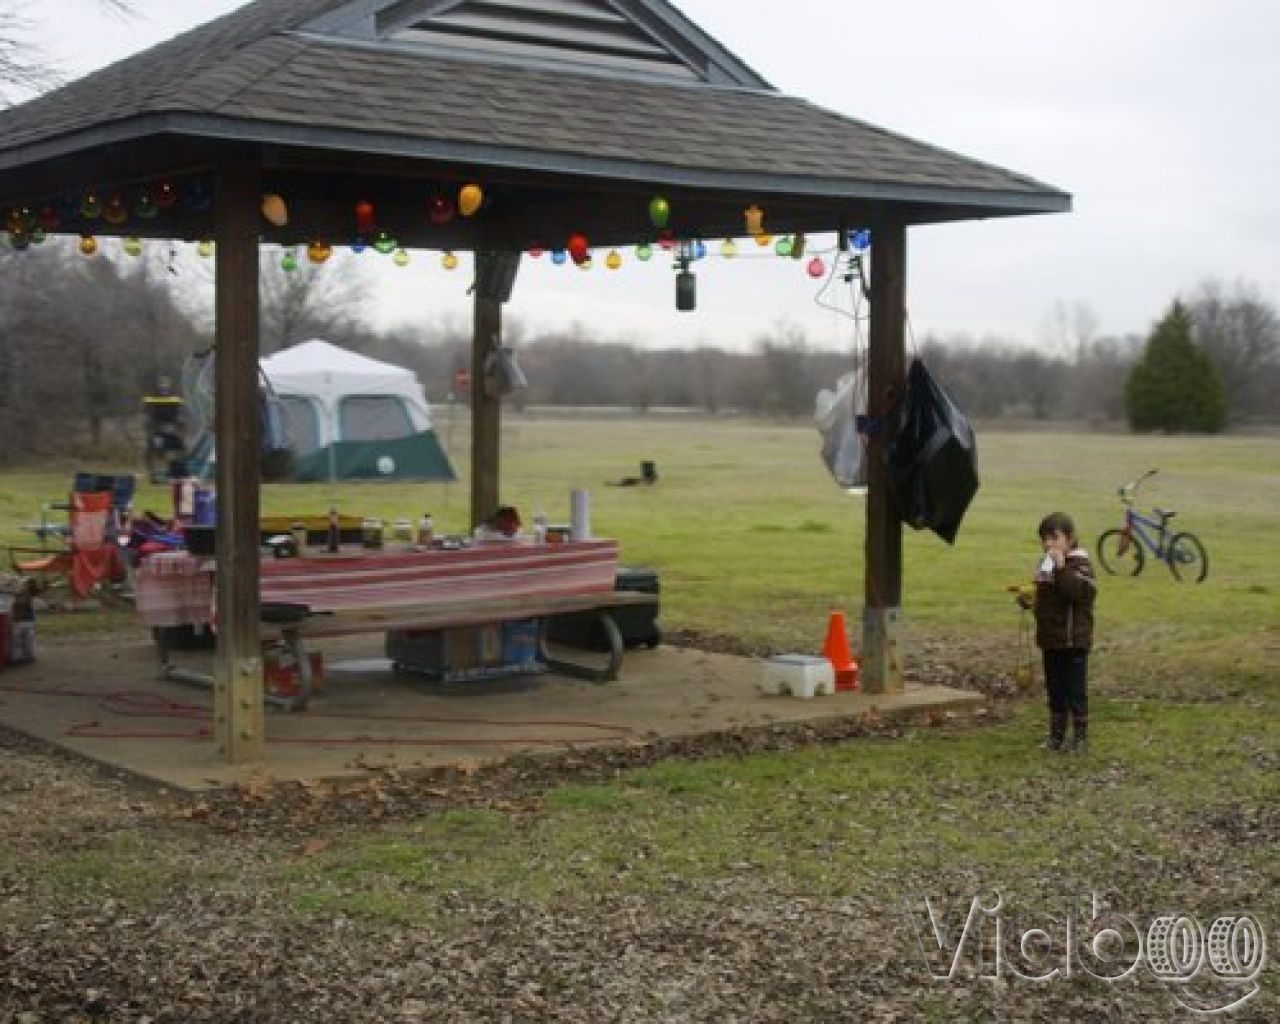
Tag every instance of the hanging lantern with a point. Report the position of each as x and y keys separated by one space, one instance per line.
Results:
x=536 y=251
x=579 y=249
x=204 y=249
x=816 y=267
x=764 y=240
x=274 y=210
x=90 y=206
x=400 y=258
x=699 y=250
x=614 y=260
x=470 y=197
x=20 y=240
x=115 y=211
x=48 y=218
x=15 y=223
x=558 y=256
x=384 y=243
x=728 y=248
x=449 y=261
x=861 y=239
x=659 y=212
x=359 y=244
x=289 y=261
x=196 y=196
x=667 y=240
x=782 y=246
x=88 y=245
x=586 y=264
x=365 y=218
x=144 y=205
x=644 y=252
x=439 y=209
x=132 y=246
x=319 y=251
x=754 y=217
x=166 y=195
x=38 y=236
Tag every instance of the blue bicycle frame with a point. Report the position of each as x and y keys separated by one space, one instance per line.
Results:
x=1133 y=526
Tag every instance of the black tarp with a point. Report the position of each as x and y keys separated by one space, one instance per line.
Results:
x=932 y=456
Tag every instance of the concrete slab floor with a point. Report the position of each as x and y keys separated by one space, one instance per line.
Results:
x=100 y=698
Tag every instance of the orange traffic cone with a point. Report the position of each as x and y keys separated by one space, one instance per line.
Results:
x=837 y=651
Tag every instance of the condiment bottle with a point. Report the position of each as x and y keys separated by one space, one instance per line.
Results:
x=426 y=531
x=335 y=532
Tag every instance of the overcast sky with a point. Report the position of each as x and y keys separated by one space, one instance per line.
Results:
x=1159 y=116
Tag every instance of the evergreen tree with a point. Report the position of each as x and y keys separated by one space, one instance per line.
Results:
x=1175 y=386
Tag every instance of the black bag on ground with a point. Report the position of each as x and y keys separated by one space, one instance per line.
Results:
x=932 y=457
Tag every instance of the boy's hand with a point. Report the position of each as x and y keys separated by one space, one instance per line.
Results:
x=1058 y=556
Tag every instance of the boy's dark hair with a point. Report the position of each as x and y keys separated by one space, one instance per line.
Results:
x=1057 y=522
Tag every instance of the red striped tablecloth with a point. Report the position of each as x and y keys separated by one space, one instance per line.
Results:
x=179 y=590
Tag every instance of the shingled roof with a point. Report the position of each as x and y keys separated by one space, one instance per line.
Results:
x=626 y=92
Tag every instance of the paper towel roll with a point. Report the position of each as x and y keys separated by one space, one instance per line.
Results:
x=580 y=515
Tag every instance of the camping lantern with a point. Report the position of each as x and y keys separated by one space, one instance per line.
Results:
x=754 y=217
x=782 y=246
x=90 y=206
x=659 y=211
x=88 y=245
x=115 y=212
x=816 y=267
x=132 y=246
x=440 y=209
x=470 y=197
x=274 y=210
x=48 y=218
x=644 y=252
x=558 y=256
x=144 y=206
x=318 y=251
x=289 y=261
x=449 y=261
x=204 y=249
x=861 y=239
x=578 y=248
x=365 y=217
x=166 y=195
x=614 y=260
x=400 y=258
x=384 y=243
x=728 y=248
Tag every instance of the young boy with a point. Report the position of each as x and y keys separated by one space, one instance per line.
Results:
x=1065 y=591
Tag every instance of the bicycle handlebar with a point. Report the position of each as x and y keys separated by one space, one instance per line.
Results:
x=1129 y=491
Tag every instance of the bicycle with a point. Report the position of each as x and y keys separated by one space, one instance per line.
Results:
x=1121 y=551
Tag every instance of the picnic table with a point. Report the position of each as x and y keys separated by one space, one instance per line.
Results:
x=353 y=591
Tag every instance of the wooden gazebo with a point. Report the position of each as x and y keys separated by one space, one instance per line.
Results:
x=571 y=116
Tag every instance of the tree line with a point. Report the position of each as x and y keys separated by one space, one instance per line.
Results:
x=83 y=340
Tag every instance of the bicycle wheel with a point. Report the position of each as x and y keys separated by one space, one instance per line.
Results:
x=1120 y=554
x=1188 y=560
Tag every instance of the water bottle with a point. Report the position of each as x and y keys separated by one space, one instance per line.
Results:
x=426 y=531
x=539 y=527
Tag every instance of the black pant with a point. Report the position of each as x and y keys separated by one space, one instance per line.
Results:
x=1066 y=676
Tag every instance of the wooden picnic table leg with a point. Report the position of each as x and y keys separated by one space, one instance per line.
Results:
x=609 y=672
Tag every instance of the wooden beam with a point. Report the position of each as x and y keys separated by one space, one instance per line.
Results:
x=881 y=664
x=238 y=711
x=486 y=409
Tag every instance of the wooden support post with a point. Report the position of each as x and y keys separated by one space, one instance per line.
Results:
x=237 y=700
x=881 y=665
x=486 y=409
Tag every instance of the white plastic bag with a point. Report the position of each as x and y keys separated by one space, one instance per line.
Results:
x=844 y=447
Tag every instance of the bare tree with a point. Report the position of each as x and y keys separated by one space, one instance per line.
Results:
x=25 y=66
x=1241 y=332
x=311 y=301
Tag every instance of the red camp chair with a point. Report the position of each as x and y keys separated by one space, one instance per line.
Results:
x=91 y=554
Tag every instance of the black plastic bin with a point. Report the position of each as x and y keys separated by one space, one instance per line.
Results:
x=638 y=624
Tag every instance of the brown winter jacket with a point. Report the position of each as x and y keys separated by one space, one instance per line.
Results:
x=1064 y=605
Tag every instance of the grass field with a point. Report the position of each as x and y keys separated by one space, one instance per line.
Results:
x=1175 y=806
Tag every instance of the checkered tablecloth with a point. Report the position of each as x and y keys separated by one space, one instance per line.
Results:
x=174 y=588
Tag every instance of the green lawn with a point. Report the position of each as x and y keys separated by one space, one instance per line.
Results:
x=1174 y=805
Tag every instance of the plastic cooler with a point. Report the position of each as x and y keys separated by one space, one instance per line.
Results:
x=638 y=624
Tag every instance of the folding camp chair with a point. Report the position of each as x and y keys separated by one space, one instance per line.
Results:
x=92 y=553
